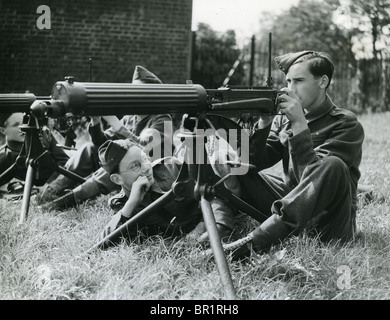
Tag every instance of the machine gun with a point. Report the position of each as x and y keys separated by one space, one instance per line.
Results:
x=99 y=99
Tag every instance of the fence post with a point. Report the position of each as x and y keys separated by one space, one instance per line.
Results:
x=252 y=62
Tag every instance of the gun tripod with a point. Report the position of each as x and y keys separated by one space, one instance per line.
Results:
x=193 y=182
x=30 y=156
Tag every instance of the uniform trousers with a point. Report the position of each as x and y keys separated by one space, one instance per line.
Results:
x=320 y=202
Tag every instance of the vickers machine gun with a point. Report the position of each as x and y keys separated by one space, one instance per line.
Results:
x=202 y=109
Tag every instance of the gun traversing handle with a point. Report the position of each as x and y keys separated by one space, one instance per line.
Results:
x=48 y=108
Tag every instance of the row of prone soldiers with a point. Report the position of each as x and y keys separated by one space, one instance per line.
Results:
x=320 y=146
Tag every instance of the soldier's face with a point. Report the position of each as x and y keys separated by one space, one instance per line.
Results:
x=305 y=85
x=134 y=164
x=11 y=129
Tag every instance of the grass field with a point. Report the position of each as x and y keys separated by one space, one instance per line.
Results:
x=45 y=257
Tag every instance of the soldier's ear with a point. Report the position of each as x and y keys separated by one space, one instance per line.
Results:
x=2 y=130
x=116 y=178
x=324 y=81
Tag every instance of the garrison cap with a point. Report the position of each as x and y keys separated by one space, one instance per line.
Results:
x=285 y=61
x=4 y=117
x=112 y=152
x=142 y=75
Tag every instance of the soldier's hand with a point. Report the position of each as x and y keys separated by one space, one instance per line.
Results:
x=45 y=137
x=139 y=188
x=116 y=221
x=291 y=106
x=265 y=121
x=95 y=120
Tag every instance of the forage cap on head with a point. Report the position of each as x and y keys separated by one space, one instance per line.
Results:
x=4 y=117
x=112 y=152
x=142 y=75
x=285 y=61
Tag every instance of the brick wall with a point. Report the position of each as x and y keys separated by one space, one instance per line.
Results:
x=116 y=34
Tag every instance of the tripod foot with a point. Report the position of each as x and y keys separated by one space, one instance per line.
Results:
x=240 y=248
x=216 y=246
x=201 y=236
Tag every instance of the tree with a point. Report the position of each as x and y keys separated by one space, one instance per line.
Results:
x=372 y=17
x=310 y=26
x=213 y=57
x=376 y=14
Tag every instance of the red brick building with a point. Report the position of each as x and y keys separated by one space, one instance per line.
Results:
x=41 y=46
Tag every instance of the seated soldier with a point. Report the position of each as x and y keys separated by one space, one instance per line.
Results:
x=139 y=128
x=320 y=145
x=14 y=140
x=142 y=183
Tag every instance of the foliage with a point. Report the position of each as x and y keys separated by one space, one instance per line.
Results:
x=214 y=56
x=377 y=14
x=309 y=26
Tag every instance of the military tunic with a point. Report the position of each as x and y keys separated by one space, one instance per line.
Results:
x=10 y=151
x=321 y=173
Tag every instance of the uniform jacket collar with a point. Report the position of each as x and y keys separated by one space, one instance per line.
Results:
x=323 y=109
x=15 y=146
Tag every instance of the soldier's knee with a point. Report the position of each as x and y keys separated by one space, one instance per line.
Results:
x=334 y=164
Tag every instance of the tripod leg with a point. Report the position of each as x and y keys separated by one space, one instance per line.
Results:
x=27 y=193
x=104 y=243
x=55 y=167
x=7 y=175
x=216 y=246
x=70 y=174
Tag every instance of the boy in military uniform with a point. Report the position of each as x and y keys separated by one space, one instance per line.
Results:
x=14 y=142
x=320 y=146
x=143 y=183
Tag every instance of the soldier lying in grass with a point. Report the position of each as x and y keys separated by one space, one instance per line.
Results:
x=14 y=143
x=142 y=183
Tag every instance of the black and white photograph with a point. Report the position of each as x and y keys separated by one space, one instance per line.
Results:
x=194 y=156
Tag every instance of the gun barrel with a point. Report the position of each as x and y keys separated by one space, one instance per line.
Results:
x=16 y=102
x=98 y=99
x=261 y=105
